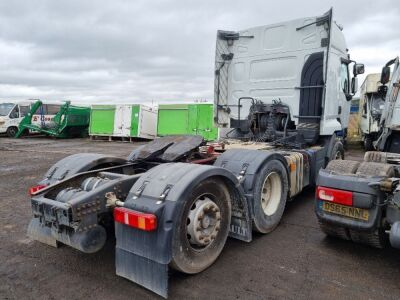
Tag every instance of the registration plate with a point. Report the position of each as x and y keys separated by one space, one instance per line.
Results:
x=348 y=211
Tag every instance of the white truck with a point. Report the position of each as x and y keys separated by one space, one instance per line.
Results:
x=372 y=103
x=12 y=113
x=360 y=201
x=284 y=88
x=389 y=135
x=10 y=116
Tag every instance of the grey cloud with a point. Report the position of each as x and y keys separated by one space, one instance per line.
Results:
x=141 y=50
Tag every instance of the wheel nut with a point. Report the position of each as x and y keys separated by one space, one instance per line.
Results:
x=213 y=237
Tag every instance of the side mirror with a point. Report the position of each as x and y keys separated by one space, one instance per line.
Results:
x=358 y=69
x=385 y=75
x=354 y=85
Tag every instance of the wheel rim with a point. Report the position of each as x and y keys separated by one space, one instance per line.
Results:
x=13 y=131
x=271 y=193
x=203 y=223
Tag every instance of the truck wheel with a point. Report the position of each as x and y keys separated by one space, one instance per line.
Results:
x=343 y=166
x=375 y=156
x=335 y=231
x=376 y=239
x=270 y=194
x=337 y=151
x=368 y=146
x=12 y=131
x=376 y=169
x=200 y=236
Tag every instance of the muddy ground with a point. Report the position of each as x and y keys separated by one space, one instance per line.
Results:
x=296 y=261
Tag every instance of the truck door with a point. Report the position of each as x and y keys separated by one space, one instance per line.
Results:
x=391 y=113
x=336 y=107
x=122 y=121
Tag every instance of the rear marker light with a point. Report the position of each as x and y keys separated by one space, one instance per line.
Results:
x=36 y=188
x=336 y=196
x=132 y=218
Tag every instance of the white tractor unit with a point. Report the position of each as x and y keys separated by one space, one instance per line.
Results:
x=285 y=91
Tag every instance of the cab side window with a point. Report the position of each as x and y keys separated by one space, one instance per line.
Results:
x=344 y=78
x=23 y=110
x=52 y=109
x=14 y=114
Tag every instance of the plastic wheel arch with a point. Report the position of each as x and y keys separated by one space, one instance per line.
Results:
x=77 y=163
x=162 y=191
x=246 y=164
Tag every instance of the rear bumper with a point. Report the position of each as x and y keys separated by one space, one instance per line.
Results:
x=364 y=198
x=53 y=222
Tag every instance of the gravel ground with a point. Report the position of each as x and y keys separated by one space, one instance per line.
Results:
x=296 y=261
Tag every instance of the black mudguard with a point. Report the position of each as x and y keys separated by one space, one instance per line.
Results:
x=77 y=163
x=142 y=256
x=245 y=165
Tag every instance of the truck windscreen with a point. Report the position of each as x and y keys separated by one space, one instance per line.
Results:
x=5 y=108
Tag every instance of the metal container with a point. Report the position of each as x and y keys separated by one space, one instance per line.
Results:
x=125 y=120
x=196 y=119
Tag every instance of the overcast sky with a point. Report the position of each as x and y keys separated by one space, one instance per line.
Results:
x=138 y=51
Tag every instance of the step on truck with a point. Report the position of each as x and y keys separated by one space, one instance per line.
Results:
x=284 y=89
x=360 y=201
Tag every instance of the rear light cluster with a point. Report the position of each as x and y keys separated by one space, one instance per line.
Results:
x=36 y=188
x=132 y=218
x=336 y=196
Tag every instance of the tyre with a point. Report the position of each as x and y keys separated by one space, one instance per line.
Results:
x=337 y=151
x=376 y=169
x=376 y=239
x=375 y=156
x=343 y=166
x=334 y=231
x=12 y=131
x=270 y=195
x=200 y=236
x=368 y=146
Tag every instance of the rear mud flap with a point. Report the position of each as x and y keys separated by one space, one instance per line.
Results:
x=41 y=233
x=143 y=271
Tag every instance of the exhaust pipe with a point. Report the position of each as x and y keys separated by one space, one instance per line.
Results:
x=89 y=241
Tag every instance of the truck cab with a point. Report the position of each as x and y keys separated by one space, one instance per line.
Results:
x=11 y=115
x=372 y=103
x=284 y=79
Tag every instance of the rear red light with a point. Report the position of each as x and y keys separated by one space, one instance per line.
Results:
x=36 y=188
x=336 y=196
x=132 y=218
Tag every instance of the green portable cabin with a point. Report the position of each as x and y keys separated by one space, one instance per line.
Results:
x=125 y=120
x=187 y=119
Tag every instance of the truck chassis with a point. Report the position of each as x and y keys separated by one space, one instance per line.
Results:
x=172 y=203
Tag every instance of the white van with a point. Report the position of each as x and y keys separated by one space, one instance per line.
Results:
x=11 y=115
